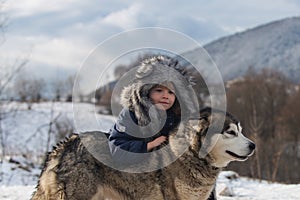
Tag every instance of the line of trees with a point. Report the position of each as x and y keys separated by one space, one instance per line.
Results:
x=26 y=88
x=268 y=106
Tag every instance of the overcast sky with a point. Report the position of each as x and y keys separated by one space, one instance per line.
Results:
x=58 y=35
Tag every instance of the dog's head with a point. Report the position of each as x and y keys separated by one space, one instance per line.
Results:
x=219 y=138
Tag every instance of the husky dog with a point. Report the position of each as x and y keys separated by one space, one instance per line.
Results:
x=83 y=167
x=72 y=172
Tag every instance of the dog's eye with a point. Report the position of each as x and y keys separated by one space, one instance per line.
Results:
x=231 y=133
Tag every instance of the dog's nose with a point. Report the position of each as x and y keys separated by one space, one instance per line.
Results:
x=252 y=146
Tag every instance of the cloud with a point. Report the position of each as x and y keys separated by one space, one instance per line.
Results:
x=36 y=7
x=62 y=33
x=59 y=52
x=125 y=18
x=25 y=8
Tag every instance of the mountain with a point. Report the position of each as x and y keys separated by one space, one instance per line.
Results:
x=274 y=45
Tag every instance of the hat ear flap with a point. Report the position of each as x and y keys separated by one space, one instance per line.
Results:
x=135 y=98
x=126 y=96
x=141 y=109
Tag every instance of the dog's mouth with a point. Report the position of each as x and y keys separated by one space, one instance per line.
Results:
x=236 y=156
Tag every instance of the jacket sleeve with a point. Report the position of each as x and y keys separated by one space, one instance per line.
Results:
x=126 y=142
x=125 y=149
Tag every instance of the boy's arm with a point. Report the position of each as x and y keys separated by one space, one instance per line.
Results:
x=155 y=143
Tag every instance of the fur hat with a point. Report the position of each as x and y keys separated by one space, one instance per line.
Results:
x=153 y=71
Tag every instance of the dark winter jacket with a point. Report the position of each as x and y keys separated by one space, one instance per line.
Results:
x=127 y=135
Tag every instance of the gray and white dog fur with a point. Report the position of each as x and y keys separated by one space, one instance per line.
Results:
x=81 y=168
x=72 y=172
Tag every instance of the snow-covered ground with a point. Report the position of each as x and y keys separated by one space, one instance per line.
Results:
x=25 y=132
x=243 y=188
x=240 y=188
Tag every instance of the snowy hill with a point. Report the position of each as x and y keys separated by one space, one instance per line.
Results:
x=274 y=45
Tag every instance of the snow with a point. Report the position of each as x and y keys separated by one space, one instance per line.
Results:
x=26 y=147
x=16 y=192
x=26 y=131
x=21 y=173
x=241 y=189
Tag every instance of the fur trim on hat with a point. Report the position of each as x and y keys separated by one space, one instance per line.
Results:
x=154 y=71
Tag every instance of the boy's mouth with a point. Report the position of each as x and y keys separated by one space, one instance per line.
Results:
x=164 y=102
x=163 y=105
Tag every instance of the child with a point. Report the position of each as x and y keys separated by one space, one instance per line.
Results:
x=164 y=99
x=151 y=110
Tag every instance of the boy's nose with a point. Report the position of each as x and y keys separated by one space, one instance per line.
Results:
x=166 y=95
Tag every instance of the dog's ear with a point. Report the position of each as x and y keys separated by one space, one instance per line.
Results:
x=205 y=119
x=202 y=123
x=205 y=113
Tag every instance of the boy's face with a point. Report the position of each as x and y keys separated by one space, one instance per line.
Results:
x=162 y=97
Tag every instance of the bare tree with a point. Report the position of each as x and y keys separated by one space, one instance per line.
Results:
x=289 y=132
x=58 y=126
x=7 y=74
x=58 y=89
x=3 y=22
x=255 y=128
x=120 y=70
x=257 y=100
x=69 y=83
x=5 y=80
x=29 y=89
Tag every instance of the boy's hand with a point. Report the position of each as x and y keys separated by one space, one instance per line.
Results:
x=158 y=141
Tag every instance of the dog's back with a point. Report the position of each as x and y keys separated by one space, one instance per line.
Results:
x=71 y=171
